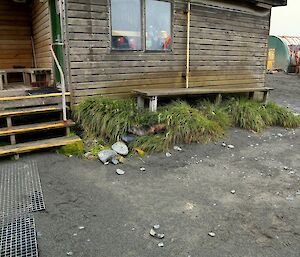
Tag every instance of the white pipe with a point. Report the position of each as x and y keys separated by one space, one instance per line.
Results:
x=187 y=73
x=63 y=84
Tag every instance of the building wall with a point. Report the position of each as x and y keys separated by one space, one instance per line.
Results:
x=228 y=47
x=41 y=31
x=15 y=35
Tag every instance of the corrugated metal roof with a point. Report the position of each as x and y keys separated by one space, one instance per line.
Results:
x=295 y=41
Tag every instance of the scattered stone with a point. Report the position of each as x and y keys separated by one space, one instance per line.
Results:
x=168 y=154
x=120 y=172
x=106 y=155
x=81 y=227
x=160 y=236
x=230 y=146
x=115 y=161
x=69 y=253
x=120 y=148
x=286 y=168
x=142 y=169
x=291 y=172
x=161 y=244
x=212 y=234
x=233 y=192
x=75 y=234
x=157 y=226
x=280 y=135
x=89 y=156
x=128 y=138
x=224 y=144
x=177 y=148
x=298 y=192
x=152 y=232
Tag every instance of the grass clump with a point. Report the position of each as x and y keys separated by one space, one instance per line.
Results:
x=248 y=114
x=106 y=117
x=152 y=143
x=215 y=112
x=281 y=116
x=252 y=115
x=186 y=124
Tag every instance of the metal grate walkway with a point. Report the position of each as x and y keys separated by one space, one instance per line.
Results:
x=20 y=195
x=20 y=189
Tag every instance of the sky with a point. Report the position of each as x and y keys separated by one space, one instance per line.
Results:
x=285 y=21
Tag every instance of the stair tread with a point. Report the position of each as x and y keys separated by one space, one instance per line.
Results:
x=38 y=145
x=35 y=127
x=32 y=110
x=24 y=97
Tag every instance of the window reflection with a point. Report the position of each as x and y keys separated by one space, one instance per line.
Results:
x=158 y=25
x=126 y=24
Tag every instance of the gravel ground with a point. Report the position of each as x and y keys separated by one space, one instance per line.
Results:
x=91 y=211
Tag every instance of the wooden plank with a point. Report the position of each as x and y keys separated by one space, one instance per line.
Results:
x=37 y=145
x=196 y=91
x=35 y=127
x=26 y=111
x=24 y=97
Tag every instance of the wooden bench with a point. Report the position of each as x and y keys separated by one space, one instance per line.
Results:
x=32 y=72
x=154 y=94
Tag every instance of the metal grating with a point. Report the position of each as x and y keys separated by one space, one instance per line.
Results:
x=20 y=189
x=18 y=237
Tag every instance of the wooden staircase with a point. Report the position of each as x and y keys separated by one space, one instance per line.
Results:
x=33 y=110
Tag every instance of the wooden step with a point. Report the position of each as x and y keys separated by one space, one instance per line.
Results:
x=25 y=97
x=27 y=111
x=35 y=127
x=37 y=145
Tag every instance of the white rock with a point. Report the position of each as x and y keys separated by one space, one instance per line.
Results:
x=230 y=146
x=168 y=154
x=152 y=232
x=142 y=169
x=161 y=244
x=120 y=148
x=212 y=234
x=177 y=148
x=224 y=144
x=120 y=172
x=233 y=192
x=156 y=226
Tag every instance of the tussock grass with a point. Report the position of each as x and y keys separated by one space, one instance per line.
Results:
x=186 y=124
x=282 y=117
x=215 y=112
x=106 y=117
x=252 y=115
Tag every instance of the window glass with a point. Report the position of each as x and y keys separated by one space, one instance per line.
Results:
x=158 y=25
x=126 y=24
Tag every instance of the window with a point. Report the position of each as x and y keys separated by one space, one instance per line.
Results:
x=128 y=30
x=126 y=24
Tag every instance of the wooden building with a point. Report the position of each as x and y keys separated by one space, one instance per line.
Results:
x=119 y=47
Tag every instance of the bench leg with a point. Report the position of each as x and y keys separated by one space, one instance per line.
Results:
x=266 y=95
x=12 y=137
x=5 y=79
x=140 y=102
x=1 y=82
x=153 y=104
x=218 y=99
x=251 y=95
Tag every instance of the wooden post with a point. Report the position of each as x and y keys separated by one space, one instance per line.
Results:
x=140 y=102
x=12 y=137
x=218 y=99
x=187 y=72
x=266 y=95
x=1 y=81
x=251 y=95
x=153 y=104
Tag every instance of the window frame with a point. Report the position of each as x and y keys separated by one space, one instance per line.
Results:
x=143 y=30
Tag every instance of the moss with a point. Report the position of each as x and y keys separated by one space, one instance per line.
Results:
x=74 y=149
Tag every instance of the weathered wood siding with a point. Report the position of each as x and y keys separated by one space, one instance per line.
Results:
x=41 y=31
x=15 y=35
x=227 y=48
